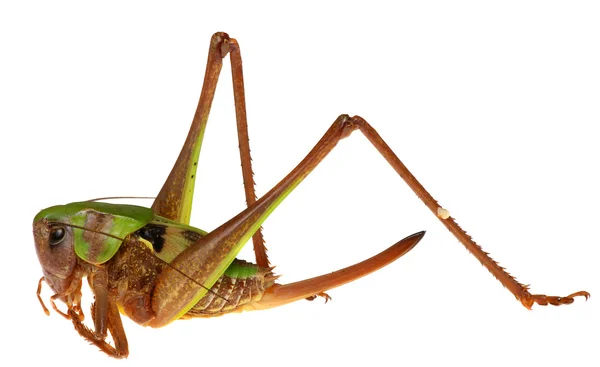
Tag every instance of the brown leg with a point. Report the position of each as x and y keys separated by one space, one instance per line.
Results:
x=173 y=297
x=520 y=291
x=99 y=283
x=258 y=241
x=105 y=316
x=284 y=294
x=343 y=127
x=175 y=198
x=39 y=296
x=115 y=327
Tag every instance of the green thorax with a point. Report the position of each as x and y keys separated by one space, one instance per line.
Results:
x=98 y=228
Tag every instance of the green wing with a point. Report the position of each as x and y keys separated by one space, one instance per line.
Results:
x=168 y=238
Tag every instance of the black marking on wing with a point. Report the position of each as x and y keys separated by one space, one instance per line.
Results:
x=153 y=233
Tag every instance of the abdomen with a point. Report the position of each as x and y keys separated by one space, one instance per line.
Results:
x=242 y=283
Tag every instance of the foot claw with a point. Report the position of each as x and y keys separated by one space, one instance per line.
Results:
x=322 y=294
x=543 y=300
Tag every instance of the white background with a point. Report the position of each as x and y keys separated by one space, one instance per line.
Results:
x=493 y=107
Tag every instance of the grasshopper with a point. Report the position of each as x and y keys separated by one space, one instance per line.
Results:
x=152 y=266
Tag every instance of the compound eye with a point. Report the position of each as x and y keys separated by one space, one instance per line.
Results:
x=57 y=235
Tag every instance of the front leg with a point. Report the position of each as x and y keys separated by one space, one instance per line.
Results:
x=105 y=315
x=115 y=326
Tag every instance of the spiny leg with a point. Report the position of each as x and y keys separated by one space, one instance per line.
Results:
x=115 y=326
x=174 y=295
x=175 y=198
x=519 y=290
x=260 y=251
x=343 y=127
x=105 y=316
x=89 y=335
